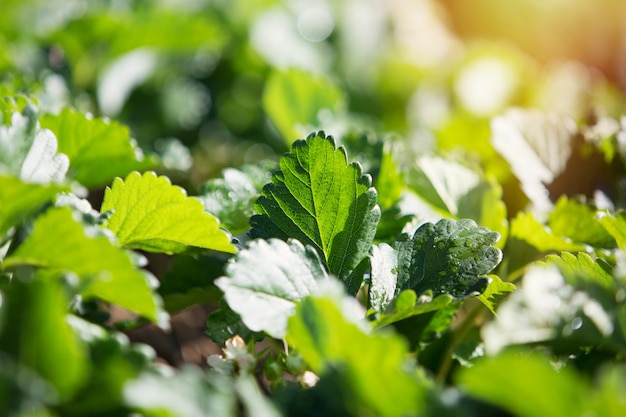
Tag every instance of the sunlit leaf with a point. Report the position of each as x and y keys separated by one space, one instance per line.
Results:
x=98 y=149
x=265 y=281
x=580 y=223
x=151 y=214
x=60 y=243
x=496 y=289
x=321 y=200
x=536 y=146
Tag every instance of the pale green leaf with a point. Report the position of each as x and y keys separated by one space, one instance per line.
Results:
x=527 y=228
x=19 y=199
x=546 y=309
x=265 y=281
x=321 y=200
x=537 y=146
x=580 y=223
x=60 y=243
x=449 y=257
x=581 y=267
x=295 y=101
x=232 y=197
x=457 y=191
x=372 y=368
x=98 y=149
x=151 y=214
x=30 y=152
x=616 y=226
x=495 y=290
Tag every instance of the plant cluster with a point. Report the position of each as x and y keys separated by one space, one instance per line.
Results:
x=358 y=274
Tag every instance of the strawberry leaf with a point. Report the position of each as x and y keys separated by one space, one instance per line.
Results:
x=321 y=200
x=266 y=280
x=151 y=214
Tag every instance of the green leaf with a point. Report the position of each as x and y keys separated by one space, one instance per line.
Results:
x=526 y=385
x=265 y=281
x=530 y=240
x=30 y=152
x=34 y=331
x=580 y=223
x=295 y=102
x=442 y=182
x=60 y=243
x=459 y=192
x=495 y=290
x=407 y=305
x=581 y=267
x=449 y=257
x=373 y=368
x=616 y=226
x=151 y=214
x=98 y=149
x=319 y=199
x=18 y=200
x=231 y=198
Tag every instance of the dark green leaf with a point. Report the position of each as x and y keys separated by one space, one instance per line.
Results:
x=224 y=323
x=319 y=199
x=449 y=257
x=41 y=340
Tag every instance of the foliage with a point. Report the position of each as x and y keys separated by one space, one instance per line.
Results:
x=428 y=253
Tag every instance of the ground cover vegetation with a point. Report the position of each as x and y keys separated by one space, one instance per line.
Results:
x=375 y=231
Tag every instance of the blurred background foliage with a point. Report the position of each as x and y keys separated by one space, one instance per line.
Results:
x=198 y=81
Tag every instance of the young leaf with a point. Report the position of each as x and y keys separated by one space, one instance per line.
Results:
x=60 y=243
x=449 y=257
x=151 y=214
x=266 y=280
x=319 y=199
x=496 y=289
x=372 y=367
x=407 y=304
x=99 y=150
x=294 y=101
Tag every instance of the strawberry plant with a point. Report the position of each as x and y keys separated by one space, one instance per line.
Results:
x=347 y=270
